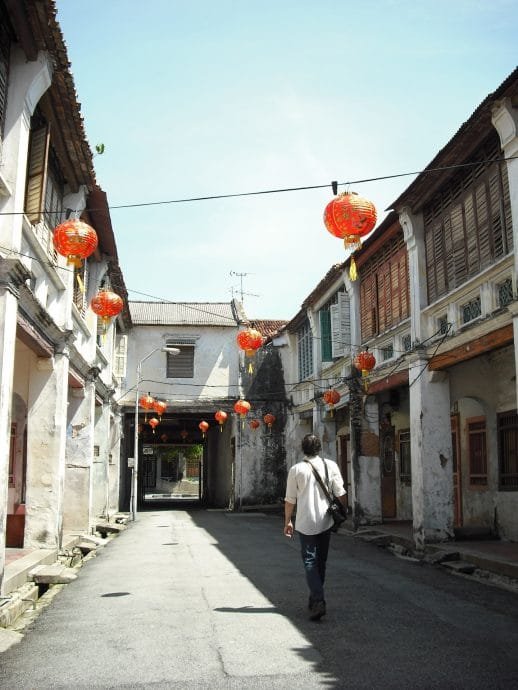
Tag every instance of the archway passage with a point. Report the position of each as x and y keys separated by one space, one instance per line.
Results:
x=178 y=464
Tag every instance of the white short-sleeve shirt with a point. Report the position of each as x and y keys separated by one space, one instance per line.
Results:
x=303 y=489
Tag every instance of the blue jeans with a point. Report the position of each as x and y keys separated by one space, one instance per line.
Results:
x=314 y=549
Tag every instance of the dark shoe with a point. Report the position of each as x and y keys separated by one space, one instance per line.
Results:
x=317 y=610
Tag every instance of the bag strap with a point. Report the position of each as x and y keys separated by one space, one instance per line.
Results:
x=319 y=480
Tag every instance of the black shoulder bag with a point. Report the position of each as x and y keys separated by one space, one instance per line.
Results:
x=336 y=509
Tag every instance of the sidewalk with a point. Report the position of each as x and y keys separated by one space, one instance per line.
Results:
x=494 y=556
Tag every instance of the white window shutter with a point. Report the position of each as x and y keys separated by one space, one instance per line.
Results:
x=337 y=349
x=119 y=362
x=344 y=307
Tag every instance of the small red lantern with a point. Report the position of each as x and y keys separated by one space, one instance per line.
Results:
x=164 y=438
x=153 y=422
x=350 y=217
x=184 y=433
x=331 y=397
x=159 y=407
x=106 y=304
x=75 y=239
x=269 y=420
x=250 y=341
x=203 y=426
x=365 y=362
x=146 y=401
x=242 y=407
x=221 y=418
x=254 y=424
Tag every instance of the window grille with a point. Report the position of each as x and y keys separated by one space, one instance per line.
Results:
x=405 y=465
x=477 y=451
x=325 y=335
x=471 y=310
x=442 y=323
x=407 y=342
x=97 y=452
x=505 y=293
x=507 y=429
x=305 y=351
x=387 y=352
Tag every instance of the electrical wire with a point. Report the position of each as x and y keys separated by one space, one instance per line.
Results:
x=304 y=188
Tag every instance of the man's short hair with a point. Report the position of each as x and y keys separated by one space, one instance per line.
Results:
x=311 y=445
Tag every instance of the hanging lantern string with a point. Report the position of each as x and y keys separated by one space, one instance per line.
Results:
x=212 y=197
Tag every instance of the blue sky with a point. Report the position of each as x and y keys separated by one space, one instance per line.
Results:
x=205 y=98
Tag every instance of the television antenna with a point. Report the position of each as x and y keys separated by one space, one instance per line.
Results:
x=241 y=291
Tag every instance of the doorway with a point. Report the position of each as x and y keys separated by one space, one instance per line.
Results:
x=457 y=475
x=388 y=471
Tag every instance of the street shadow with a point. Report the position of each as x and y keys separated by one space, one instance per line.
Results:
x=388 y=620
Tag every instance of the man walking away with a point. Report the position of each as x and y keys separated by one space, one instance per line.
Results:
x=313 y=522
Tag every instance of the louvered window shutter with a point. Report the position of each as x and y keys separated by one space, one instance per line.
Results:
x=120 y=357
x=37 y=173
x=325 y=335
x=344 y=305
x=337 y=348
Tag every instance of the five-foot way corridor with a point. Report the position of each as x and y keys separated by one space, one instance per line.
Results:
x=215 y=600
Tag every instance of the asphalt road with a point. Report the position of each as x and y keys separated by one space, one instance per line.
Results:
x=194 y=599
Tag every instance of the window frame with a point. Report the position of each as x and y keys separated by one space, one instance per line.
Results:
x=513 y=453
x=305 y=351
x=405 y=477
x=477 y=426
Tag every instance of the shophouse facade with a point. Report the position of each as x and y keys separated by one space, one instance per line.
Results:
x=59 y=425
x=433 y=437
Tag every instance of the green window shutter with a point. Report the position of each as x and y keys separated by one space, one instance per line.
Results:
x=325 y=335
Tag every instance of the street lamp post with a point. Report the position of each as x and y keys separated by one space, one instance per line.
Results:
x=134 y=477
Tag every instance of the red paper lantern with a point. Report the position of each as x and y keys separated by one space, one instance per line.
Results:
x=221 y=418
x=269 y=420
x=250 y=341
x=164 y=438
x=153 y=422
x=350 y=216
x=184 y=433
x=365 y=362
x=254 y=424
x=74 y=239
x=242 y=407
x=331 y=397
x=146 y=401
x=106 y=304
x=203 y=426
x=159 y=407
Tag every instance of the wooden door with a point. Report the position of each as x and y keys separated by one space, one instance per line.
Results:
x=388 y=472
x=457 y=483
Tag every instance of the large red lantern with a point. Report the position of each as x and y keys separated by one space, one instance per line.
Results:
x=250 y=341
x=350 y=217
x=221 y=418
x=242 y=407
x=75 y=239
x=153 y=422
x=365 y=362
x=203 y=426
x=269 y=420
x=106 y=304
x=159 y=407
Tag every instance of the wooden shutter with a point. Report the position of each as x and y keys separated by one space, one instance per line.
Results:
x=337 y=347
x=325 y=335
x=120 y=357
x=344 y=305
x=37 y=173
x=181 y=365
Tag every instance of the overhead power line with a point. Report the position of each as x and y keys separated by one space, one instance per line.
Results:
x=281 y=190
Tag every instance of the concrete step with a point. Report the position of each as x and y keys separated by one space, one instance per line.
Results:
x=474 y=533
x=105 y=528
x=55 y=574
x=460 y=566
